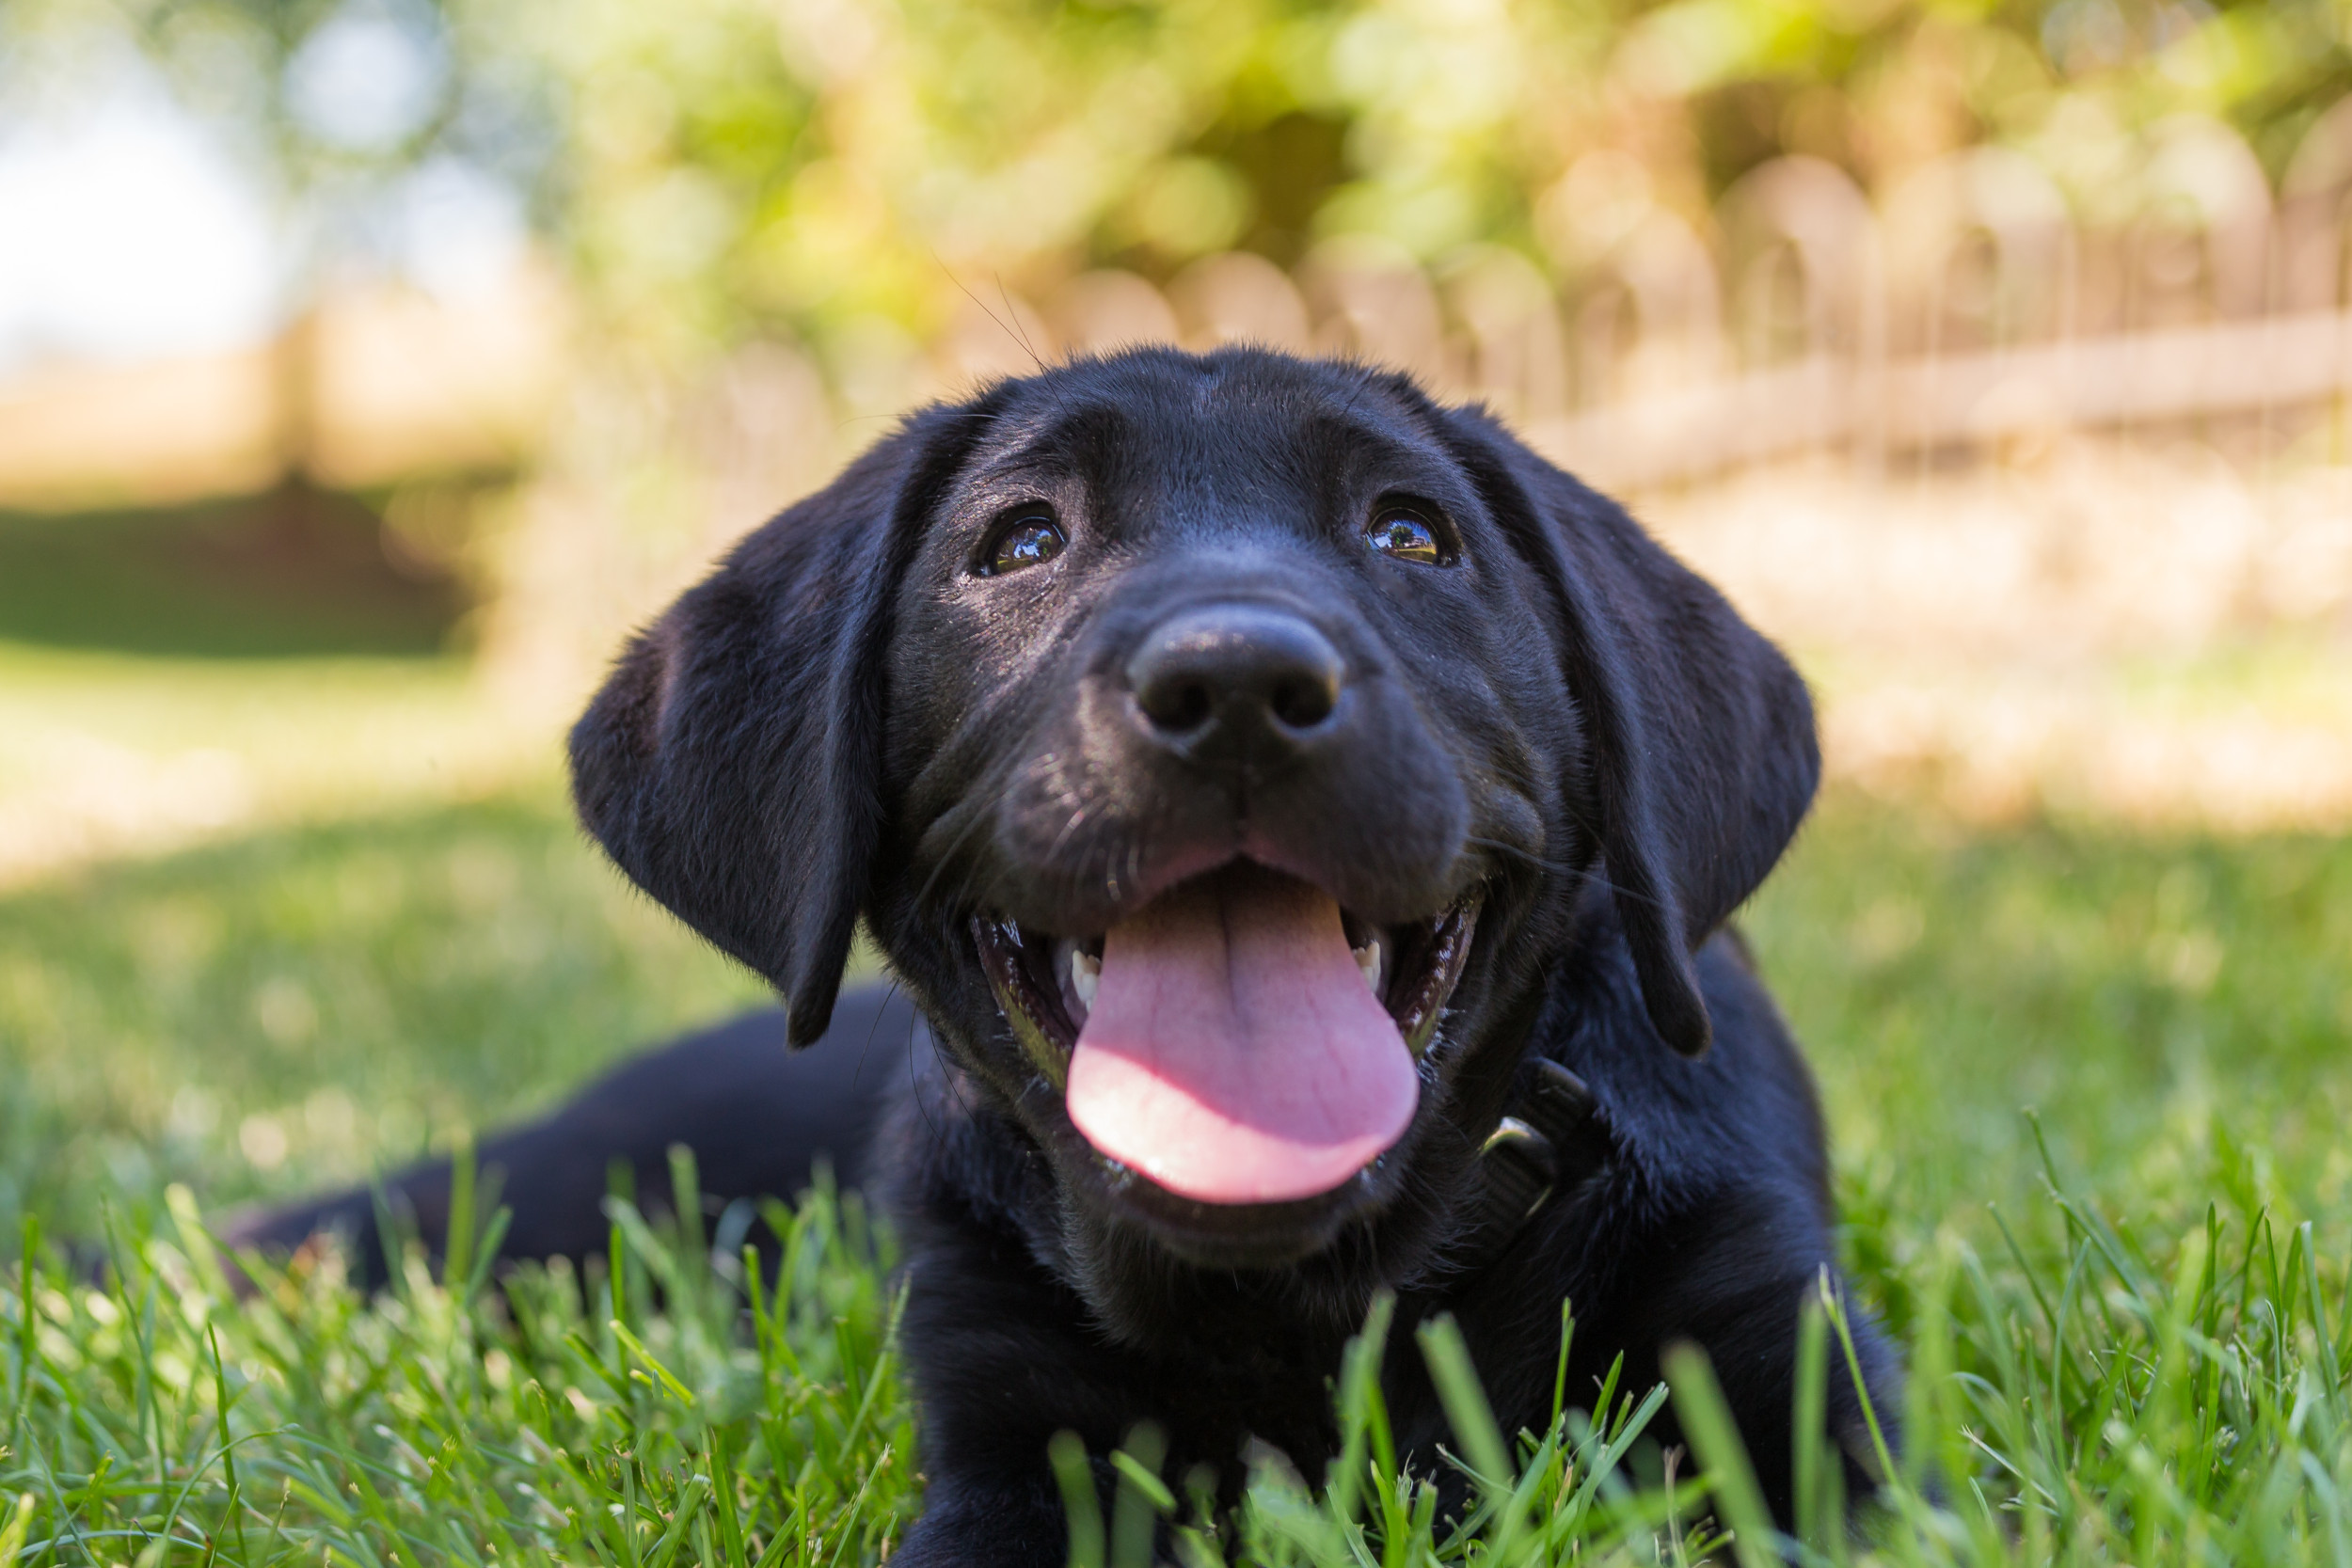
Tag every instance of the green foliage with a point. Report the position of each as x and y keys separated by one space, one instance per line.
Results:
x=844 y=169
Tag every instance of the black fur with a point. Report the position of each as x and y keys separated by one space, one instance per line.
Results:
x=758 y=1117
x=847 y=721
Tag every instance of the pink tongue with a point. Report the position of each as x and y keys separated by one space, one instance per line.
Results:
x=1233 y=1053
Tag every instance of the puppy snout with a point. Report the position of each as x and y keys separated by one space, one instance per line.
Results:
x=1235 y=673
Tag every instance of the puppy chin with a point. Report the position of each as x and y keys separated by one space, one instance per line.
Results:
x=1242 y=1235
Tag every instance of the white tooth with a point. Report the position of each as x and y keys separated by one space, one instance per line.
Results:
x=1085 y=972
x=1367 y=959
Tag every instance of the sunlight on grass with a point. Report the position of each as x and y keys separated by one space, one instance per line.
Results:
x=103 y=755
x=311 y=1005
x=2160 y=999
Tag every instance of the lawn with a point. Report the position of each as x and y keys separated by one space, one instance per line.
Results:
x=2086 y=1087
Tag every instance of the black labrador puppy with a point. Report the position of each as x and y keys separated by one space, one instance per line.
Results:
x=1304 y=821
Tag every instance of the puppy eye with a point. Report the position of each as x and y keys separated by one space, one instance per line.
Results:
x=1030 y=539
x=1404 y=533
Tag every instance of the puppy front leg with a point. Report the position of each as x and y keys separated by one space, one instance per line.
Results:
x=1004 y=1358
x=1732 y=1277
x=1013 y=1519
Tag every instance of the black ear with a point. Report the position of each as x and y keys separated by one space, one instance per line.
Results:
x=732 y=764
x=1700 y=738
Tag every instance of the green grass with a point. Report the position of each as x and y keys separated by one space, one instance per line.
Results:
x=317 y=1003
x=2132 y=1347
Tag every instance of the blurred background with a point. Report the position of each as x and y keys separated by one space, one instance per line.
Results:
x=368 y=368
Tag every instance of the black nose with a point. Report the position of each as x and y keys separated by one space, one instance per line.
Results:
x=1238 y=670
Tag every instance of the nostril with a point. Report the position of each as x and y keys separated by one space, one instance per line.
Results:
x=1302 y=704
x=1178 y=706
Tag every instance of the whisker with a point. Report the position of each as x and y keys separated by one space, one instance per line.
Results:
x=955 y=848
x=1589 y=874
x=922 y=1101
x=1528 y=856
x=1078 y=820
x=871 y=1029
x=947 y=1066
x=1020 y=333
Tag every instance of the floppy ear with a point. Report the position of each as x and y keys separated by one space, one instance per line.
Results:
x=1701 y=751
x=732 y=763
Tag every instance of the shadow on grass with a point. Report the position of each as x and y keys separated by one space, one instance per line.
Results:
x=299 y=571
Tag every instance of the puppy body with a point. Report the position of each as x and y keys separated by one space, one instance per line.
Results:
x=1709 y=1224
x=1193 y=670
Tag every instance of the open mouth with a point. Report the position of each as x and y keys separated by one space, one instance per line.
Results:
x=1241 y=1039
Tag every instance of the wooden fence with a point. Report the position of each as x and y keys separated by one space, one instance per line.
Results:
x=1972 y=307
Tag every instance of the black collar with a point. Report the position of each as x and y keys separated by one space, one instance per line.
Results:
x=1548 y=1144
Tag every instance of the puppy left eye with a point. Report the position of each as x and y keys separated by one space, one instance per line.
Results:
x=1404 y=533
x=1027 y=541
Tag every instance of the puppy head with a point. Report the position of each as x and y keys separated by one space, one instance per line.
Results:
x=1219 y=746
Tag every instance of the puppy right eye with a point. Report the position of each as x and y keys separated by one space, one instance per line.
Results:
x=1403 y=533
x=1030 y=539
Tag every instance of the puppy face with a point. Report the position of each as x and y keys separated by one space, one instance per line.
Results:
x=1217 y=746
x=1224 y=735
